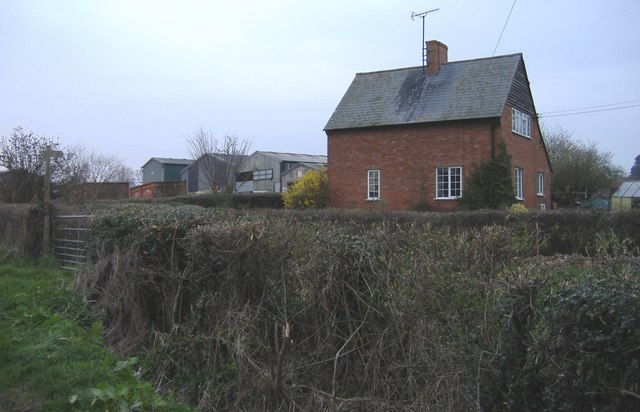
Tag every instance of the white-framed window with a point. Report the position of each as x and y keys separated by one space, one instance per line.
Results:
x=540 y=184
x=543 y=206
x=266 y=174
x=520 y=123
x=373 y=184
x=448 y=182
x=519 y=174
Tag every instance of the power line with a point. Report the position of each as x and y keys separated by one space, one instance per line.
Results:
x=504 y=27
x=592 y=109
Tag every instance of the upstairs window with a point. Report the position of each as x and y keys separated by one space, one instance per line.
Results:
x=520 y=123
x=448 y=182
x=373 y=184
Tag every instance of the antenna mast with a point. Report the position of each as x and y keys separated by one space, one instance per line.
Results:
x=424 y=44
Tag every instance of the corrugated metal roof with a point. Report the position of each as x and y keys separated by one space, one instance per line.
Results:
x=219 y=156
x=295 y=157
x=166 y=160
x=471 y=89
x=628 y=189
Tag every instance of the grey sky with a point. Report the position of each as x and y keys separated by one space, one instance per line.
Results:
x=134 y=77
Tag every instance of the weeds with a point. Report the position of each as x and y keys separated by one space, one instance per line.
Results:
x=51 y=350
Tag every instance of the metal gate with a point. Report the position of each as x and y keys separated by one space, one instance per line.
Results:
x=70 y=236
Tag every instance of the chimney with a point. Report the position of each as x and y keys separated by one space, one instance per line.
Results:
x=437 y=55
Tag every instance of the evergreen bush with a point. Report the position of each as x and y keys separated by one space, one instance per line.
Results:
x=490 y=185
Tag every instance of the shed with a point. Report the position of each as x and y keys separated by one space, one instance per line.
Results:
x=627 y=196
x=159 y=169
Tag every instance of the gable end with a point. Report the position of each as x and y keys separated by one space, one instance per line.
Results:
x=520 y=96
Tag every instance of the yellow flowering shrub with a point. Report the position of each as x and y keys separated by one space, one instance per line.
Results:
x=311 y=191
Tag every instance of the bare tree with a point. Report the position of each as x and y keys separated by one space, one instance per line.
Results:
x=218 y=161
x=95 y=167
x=81 y=166
x=580 y=169
x=22 y=155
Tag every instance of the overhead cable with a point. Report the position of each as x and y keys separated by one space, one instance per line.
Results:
x=592 y=109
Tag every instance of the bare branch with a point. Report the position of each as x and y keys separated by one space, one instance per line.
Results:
x=218 y=161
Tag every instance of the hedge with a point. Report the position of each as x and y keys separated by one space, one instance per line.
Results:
x=387 y=311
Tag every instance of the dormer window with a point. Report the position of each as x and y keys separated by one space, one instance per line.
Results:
x=520 y=123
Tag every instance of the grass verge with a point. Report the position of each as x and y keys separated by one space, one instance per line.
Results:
x=52 y=355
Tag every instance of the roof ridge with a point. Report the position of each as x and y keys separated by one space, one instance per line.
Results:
x=288 y=153
x=487 y=58
x=448 y=63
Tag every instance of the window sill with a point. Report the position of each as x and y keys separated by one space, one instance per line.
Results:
x=446 y=198
x=521 y=135
x=373 y=199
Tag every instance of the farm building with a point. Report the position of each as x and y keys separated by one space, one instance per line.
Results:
x=263 y=172
x=213 y=171
x=158 y=169
x=294 y=173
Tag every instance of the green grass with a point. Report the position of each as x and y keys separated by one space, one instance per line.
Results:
x=52 y=355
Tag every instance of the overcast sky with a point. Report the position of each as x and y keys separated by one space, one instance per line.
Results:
x=132 y=78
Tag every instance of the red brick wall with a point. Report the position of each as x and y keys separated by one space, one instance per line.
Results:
x=407 y=157
x=530 y=155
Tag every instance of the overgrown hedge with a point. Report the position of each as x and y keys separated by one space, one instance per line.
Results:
x=341 y=310
x=21 y=228
x=219 y=199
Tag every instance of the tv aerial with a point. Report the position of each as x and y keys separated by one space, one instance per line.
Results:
x=424 y=45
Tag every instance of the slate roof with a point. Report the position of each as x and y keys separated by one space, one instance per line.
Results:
x=628 y=189
x=470 y=89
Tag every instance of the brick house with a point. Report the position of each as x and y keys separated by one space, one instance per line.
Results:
x=408 y=138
